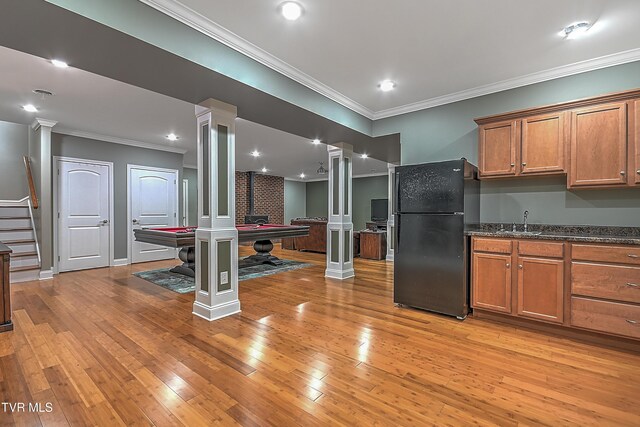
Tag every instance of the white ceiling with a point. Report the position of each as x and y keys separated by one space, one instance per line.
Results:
x=86 y=104
x=431 y=48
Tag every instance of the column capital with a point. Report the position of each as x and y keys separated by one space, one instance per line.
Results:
x=340 y=146
x=217 y=107
x=39 y=122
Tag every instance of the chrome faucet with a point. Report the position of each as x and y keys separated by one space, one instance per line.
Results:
x=526 y=226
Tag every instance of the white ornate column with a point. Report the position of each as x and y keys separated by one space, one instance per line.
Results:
x=216 y=237
x=391 y=235
x=340 y=225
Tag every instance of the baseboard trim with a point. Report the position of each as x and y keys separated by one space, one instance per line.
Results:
x=46 y=275
x=340 y=274
x=121 y=262
x=216 y=312
x=6 y=327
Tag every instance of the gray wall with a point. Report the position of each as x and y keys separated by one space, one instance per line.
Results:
x=120 y=155
x=14 y=144
x=295 y=200
x=191 y=175
x=364 y=189
x=449 y=132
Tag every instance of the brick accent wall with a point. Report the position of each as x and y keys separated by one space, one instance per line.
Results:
x=268 y=193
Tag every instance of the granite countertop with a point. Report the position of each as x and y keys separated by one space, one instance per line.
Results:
x=572 y=233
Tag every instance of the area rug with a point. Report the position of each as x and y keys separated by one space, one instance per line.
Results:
x=184 y=284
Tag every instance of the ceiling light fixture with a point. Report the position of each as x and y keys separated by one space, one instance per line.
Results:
x=291 y=10
x=265 y=170
x=29 y=108
x=302 y=175
x=255 y=153
x=321 y=170
x=59 y=64
x=364 y=156
x=173 y=137
x=316 y=142
x=387 y=85
x=575 y=30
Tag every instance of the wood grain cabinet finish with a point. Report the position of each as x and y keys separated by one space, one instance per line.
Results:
x=606 y=316
x=491 y=282
x=541 y=289
x=543 y=145
x=636 y=137
x=599 y=146
x=613 y=282
x=497 y=151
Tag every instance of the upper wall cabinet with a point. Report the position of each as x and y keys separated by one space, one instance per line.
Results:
x=595 y=141
x=599 y=146
x=498 y=149
x=543 y=144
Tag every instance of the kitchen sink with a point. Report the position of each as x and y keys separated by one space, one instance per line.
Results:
x=520 y=233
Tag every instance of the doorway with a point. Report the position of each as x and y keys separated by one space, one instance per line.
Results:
x=152 y=202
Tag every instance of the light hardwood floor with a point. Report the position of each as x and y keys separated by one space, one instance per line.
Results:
x=107 y=348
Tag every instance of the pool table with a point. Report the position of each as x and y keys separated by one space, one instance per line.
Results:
x=185 y=237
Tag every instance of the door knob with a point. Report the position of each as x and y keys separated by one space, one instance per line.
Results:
x=135 y=221
x=105 y=221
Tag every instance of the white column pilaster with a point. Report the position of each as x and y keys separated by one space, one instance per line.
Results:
x=217 y=236
x=391 y=219
x=340 y=225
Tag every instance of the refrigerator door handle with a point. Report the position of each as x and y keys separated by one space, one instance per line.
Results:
x=396 y=201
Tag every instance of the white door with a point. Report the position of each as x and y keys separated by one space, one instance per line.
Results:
x=153 y=203
x=84 y=207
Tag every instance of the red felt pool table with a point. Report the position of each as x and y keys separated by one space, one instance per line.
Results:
x=184 y=237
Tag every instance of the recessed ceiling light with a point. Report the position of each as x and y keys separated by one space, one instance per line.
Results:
x=173 y=137
x=29 y=108
x=59 y=64
x=265 y=170
x=302 y=175
x=315 y=142
x=387 y=85
x=364 y=156
x=575 y=30
x=291 y=10
x=255 y=153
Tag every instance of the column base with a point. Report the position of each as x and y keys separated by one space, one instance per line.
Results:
x=339 y=274
x=390 y=257
x=216 y=312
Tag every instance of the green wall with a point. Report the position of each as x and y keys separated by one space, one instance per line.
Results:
x=364 y=189
x=449 y=132
x=120 y=155
x=191 y=175
x=14 y=144
x=295 y=200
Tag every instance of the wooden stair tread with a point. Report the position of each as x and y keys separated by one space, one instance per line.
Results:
x=16 y=229
x=24 y=268
x=18 y=242
x=23 y=254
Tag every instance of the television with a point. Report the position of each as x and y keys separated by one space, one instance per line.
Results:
x=379 y=210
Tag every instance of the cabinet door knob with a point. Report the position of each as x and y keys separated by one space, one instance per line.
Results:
x=622 y=172
x=508 y=265
x=524 y=164
x=638 y=171
x=520 y=266
x=513 y=164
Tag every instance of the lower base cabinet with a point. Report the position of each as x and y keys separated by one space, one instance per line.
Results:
x=595 y=288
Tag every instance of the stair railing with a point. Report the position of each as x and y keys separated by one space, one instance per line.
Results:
x=33 y=197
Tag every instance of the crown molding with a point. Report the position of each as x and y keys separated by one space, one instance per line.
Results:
x=39 y=122
x=190 y=166
x=198 y=22
x=529 y=79
x=117 y=140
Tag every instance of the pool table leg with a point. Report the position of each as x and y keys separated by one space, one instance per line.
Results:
x=188 y=256
x=263 y=255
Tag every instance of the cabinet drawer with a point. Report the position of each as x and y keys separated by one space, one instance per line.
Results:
x=500 y=246
x=542 y=249
x=603 y=316
x=617 y=282
x=611 y=254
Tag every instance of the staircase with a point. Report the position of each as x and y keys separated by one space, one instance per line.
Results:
x=16 y=231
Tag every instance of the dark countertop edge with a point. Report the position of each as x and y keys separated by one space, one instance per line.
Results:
x=586 y=238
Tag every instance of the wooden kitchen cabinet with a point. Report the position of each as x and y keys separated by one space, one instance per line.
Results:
x=497 y=151
x=543 y=145
x=541 y=288
x=599 y=146
x=636 y=137
x=492 y=282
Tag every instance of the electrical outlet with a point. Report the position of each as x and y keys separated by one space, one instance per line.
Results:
x=224 y=277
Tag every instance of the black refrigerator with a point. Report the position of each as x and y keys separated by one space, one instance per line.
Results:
x=434 y=203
